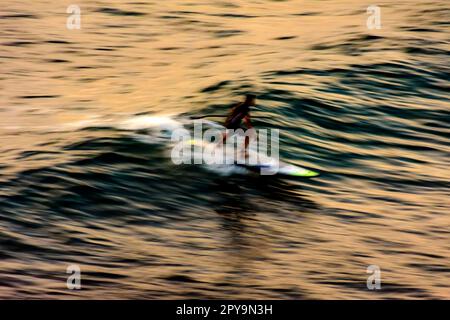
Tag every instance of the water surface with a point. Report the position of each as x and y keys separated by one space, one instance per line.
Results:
x=369 y=109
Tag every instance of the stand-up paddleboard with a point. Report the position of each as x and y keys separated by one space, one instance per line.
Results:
x=282 y=169
x=163 y=126
x=264 y=165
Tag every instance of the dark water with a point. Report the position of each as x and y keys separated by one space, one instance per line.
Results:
x=82 y=183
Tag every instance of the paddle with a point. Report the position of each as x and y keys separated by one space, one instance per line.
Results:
x=226 y=115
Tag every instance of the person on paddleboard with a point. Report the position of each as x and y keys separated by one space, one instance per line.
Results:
x=240 y=112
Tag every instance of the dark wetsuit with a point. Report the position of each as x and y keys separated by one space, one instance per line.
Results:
x=239 y=112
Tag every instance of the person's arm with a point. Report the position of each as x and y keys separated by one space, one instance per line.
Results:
x=248 y=121
x=231 y=113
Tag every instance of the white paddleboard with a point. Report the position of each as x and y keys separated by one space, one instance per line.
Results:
x=264 y=164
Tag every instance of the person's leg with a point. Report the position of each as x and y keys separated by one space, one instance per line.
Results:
x=225 y=136
x=247 y=141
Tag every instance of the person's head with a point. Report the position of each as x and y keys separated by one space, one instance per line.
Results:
x=250 y=99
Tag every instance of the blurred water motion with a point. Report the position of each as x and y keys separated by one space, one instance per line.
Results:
x=80 y=184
